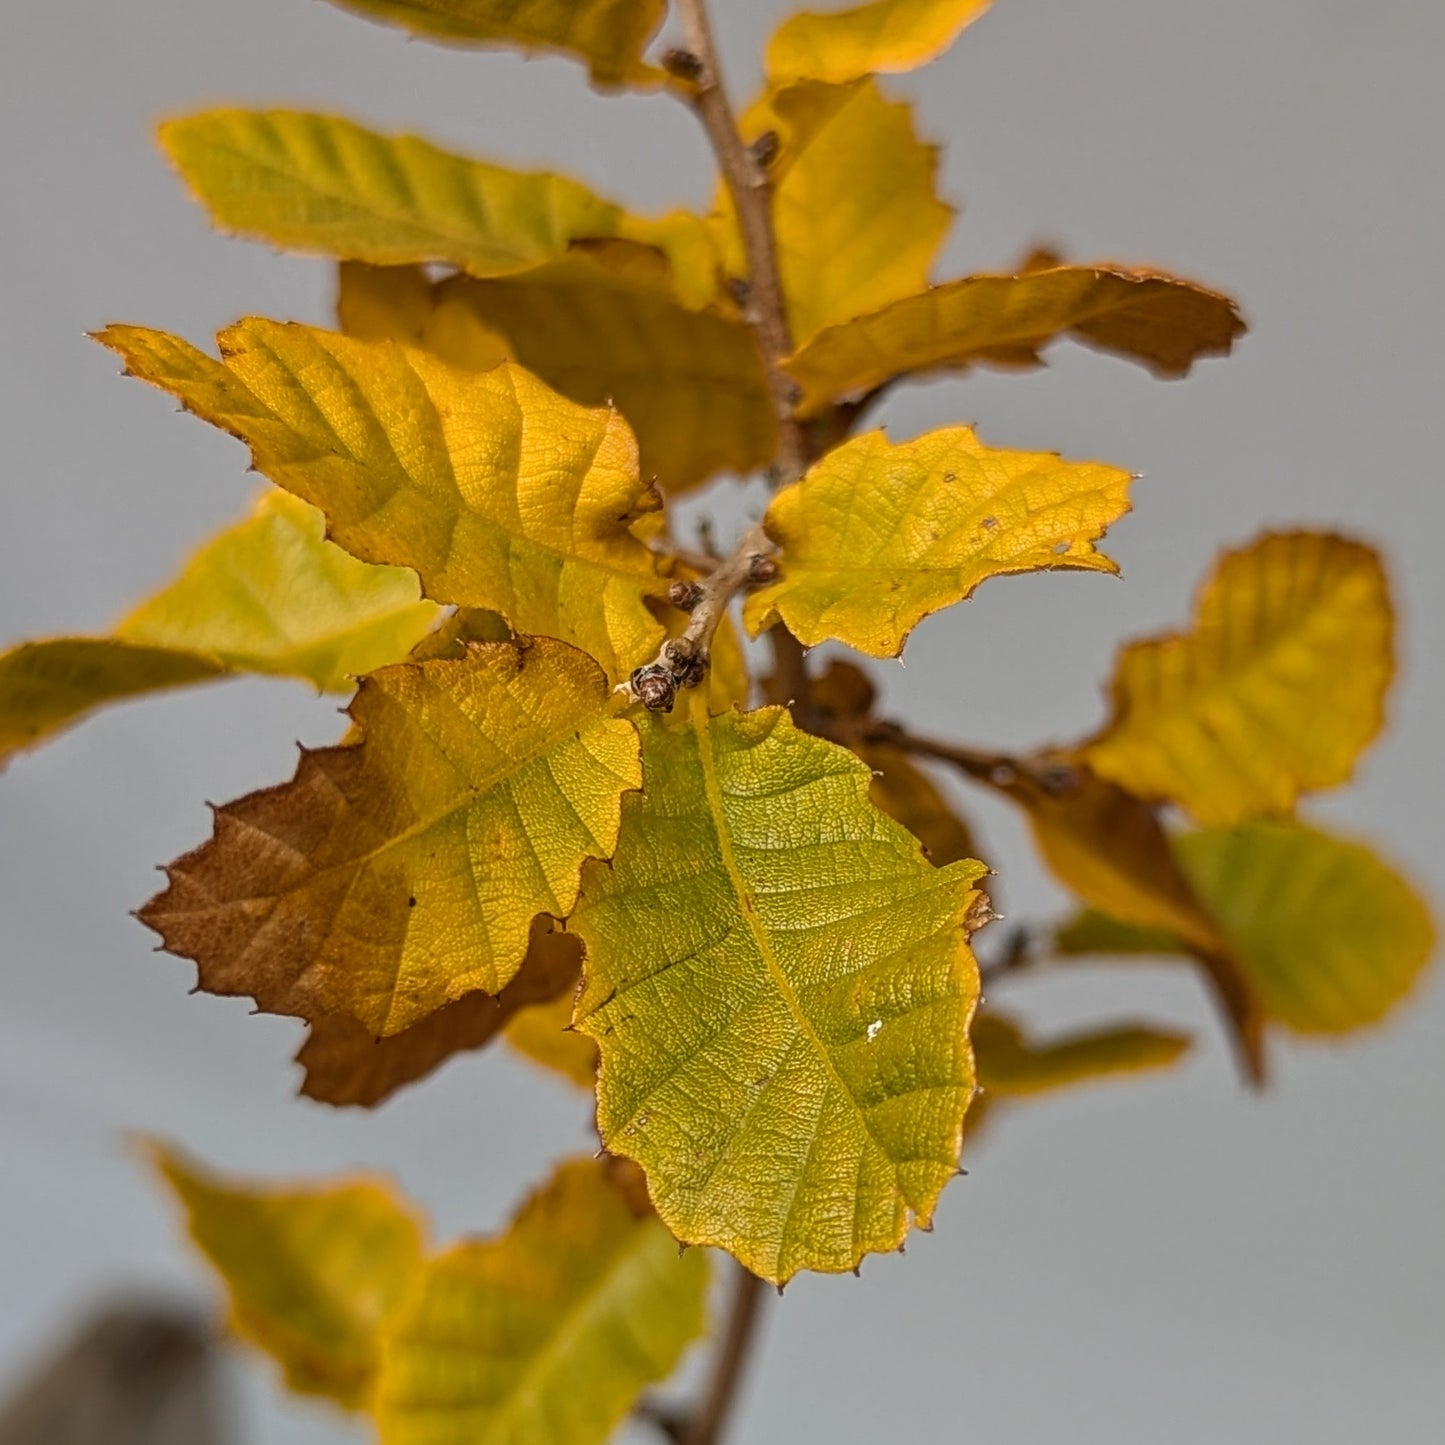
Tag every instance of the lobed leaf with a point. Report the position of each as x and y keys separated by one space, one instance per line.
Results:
x=1012 y=1065
x=877 y=536
x=401 y=870
x=1163 y=322
x=1275 y=690
x=346 y=1063
x=497 y=491
x=603 y=325
x=780 y=989
x=268 y=595
x=609 y=35
x=857 y=221
x=885 y=35
x=311 y=1273
x=548 y=1333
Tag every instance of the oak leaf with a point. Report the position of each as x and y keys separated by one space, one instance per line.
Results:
x=1274 y=691
x=497 y=491
x=608 y=35
x=311 y=1272
x=1162 y=321
x=346 y=1063
x=267 y=595
x=780 y=988
x=402 y=869
x=603 y=325
x=548 y=1332
x=877 y=536
x=884 y=35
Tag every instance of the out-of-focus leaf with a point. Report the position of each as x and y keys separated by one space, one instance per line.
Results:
x=401 y=870
x=266 y=595
x=544 y=1034
x=604 y=326
x=499 y=492
x=780 y=988
x=324 y=185
x=857 y=221
x=842 y=45
x=346 y=1063
x=1275 y=690
x=877 y=536
x=547 y=1333
x=1093 y=931
x=48 y=685
x=1162 y=321
x=1011 y=1064
x=608 y=35
x=311 y=1272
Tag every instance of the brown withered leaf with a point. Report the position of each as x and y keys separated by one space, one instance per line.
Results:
x=346 y=1064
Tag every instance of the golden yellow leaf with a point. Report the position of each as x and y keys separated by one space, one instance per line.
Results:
x=403 y=869
x=46 y=686
x=877 y=536
x=324 y=185
x=497 y=491
x=780 y=988
x=346 y=1063
x=1274 y=691
x=267 y=595
x=544 y=1034
x=858 y=224
x=884 y=35
x=1162 y=321
x=1010 y=1064
x=603 y=325
x=547 y=1333
x=311 y=1272
x=609 y=35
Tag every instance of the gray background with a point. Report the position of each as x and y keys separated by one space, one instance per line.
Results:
x=1170 y=1261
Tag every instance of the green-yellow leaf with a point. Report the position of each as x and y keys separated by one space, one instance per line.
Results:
x=780 y=987
x=544 y=1034
x=858 y=223
x=1161 y=321
x=497 y=491
x=1010 y=1064
x=885 y=35
x=547 y=1333
x=346 y=1063
x=311 y=1272
x=877 y=536
x=602 y=325
x=608 y=35
x=403 y=869
x=1276 y=690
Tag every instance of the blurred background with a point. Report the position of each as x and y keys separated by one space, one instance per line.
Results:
x=1163 y=1260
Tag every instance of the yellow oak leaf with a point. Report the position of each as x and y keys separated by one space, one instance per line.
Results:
x=608 y=35
x=324 y=185
x=857 y=221
x=544 y=1034
x=885 y=35
x=1275 y=690
x=402 y=869
x=497 y=491
x=877 y=536
x=1162 y=321
x=311 y=1272
x=780 y=987
x=548 y=1332
x=603 y=325
x=268 y=595
x=1012 y=1065
x=346 y=1064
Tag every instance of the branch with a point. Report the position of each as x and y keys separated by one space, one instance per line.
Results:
x=706 y=1426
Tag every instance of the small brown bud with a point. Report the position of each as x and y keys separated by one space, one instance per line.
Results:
x=761 y=569
x=765 y=148
x=654 y=687
x=684 y=595
x=740 y=291
x=682 y=64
